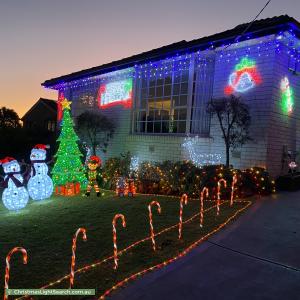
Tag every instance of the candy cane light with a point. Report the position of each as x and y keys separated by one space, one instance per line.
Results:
x=79 y=230
x=204 y=192
x=150 y=221
x=219 y=193
x=183 y=200
x=7 y=268
x=116 y=217
x=234 y=181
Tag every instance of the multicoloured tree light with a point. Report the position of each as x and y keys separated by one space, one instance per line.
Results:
x=287 y=99
x=68 y=166
x=115 y=93
x=244 y=77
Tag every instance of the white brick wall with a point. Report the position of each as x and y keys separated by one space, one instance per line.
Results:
x=270 y=128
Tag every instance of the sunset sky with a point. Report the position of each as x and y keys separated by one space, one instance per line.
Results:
x=42 y=39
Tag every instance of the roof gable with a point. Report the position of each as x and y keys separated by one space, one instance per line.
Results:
x=50 y=104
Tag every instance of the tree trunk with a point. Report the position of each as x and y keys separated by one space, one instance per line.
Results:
x=227 y=155
x=94 y=149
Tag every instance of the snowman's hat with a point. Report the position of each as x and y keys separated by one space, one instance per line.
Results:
x=41 y=147
x=7 y=161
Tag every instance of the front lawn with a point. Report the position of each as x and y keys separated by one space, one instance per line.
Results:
x=45 y=229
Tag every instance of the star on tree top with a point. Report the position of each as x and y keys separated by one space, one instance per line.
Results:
x=66 y=104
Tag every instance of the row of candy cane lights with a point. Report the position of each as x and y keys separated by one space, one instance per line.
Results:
x=183 y=201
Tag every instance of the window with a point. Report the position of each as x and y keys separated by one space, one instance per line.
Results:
x=51 y=125
x=162 y=97
x=202 y=93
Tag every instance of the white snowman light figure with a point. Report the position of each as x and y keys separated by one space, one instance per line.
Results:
x=15 y=196
x=40 y=185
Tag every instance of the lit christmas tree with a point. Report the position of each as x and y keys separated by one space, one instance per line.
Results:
x=68 y=167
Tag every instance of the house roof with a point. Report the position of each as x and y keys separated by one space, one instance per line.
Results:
x=51 y=104
x=258 y=28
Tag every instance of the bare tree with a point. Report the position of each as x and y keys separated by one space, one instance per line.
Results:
x=95 y=129
x=234 y=120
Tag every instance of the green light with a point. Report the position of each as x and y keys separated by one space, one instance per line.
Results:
x=287 y=99
x=245 y=63
x=68 y=167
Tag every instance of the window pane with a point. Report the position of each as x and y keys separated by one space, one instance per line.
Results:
x=144 y=82
x=165 y=114
x=152 y=82
x=143 y=103
x=184 y=88
x=168 y=80
x=165 y=127
x=181 y=127
x=157 y=115
x=183 y=100
x=151 y=92
x=167 y=90
x=185 y=75
x=157 y=127
x=142 y=116
x=176 y=89
x=160 y=81
x=150 y=127
x=159 y=91
x=144 y=93
x=150 y=115
x=176 y=100
x=182 y=114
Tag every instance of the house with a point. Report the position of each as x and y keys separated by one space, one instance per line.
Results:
x=158 y=98
x=42 y=116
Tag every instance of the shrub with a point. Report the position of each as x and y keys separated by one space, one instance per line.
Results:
x=176 y=178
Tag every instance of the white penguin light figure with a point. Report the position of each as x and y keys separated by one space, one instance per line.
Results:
x=15 y=196
x=40 y=185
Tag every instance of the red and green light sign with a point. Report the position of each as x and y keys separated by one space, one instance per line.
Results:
x=244 y=77
x=115 y=93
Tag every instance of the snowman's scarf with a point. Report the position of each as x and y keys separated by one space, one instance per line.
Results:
x=36 y=162
x=11 y=176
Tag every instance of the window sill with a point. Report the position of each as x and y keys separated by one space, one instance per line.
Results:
x=204 y=136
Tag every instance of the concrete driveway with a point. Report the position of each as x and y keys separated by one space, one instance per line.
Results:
x=257 y=257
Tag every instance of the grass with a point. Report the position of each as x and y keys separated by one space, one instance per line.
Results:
x=45 y=229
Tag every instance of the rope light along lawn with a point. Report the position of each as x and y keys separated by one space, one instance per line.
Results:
x=151 y=222
x=116 y=217
x=183 y=200
x=133 y=245
x=219 y=193
x=7 y=268
x=79 y=230
x=234 y=181
x=181 y=254
x=206 y=193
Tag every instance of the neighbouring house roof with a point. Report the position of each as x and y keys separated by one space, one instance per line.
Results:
x=257 y=29
x=50 y=104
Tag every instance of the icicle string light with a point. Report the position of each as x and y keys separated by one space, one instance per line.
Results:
x=219 y=193
x=234 y=181
x=116 y=217
x=183 y=200
x=282 y=42
x=7 y=268
x=74 y=242
x=204 y=192
x=151 y=221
